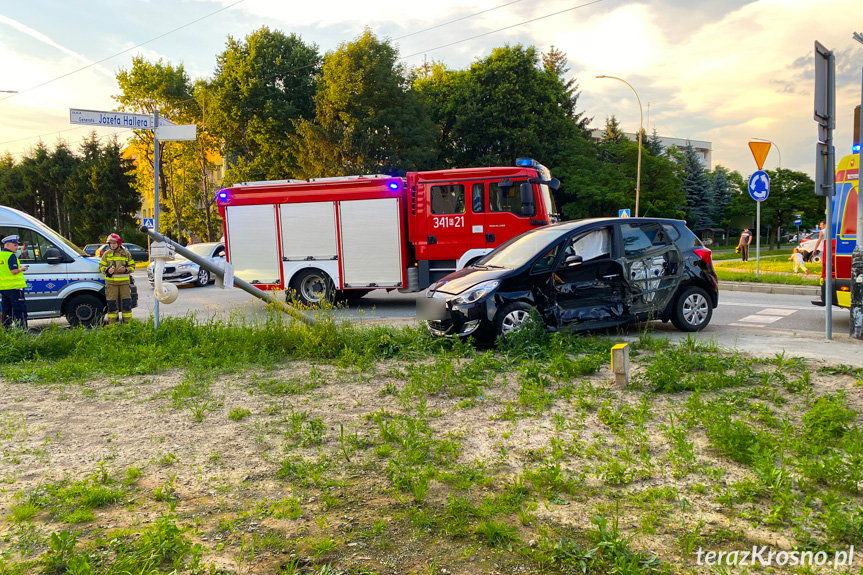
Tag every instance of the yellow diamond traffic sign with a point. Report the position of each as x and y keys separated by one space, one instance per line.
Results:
x=759 y=152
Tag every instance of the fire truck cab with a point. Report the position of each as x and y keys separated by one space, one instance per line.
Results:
x=346 y=236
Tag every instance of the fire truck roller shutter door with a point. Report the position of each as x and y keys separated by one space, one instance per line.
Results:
x=308 y=231
x=253 y=243
x=371 y=239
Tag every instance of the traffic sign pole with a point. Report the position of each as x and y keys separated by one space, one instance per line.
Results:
x=168 y=131
x=155 y=202
x=759 y=190
x=825 y=169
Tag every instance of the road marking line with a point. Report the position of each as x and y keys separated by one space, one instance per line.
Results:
x=777 y=311
x=761 y=319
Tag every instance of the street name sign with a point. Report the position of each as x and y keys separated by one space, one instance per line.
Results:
x=176 y=133
x=111 y=119
x=759 y=186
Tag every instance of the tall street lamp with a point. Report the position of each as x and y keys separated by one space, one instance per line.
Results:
x=640 y=129
x=778 y=151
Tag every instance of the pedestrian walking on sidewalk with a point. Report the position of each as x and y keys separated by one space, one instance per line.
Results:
x=743 y=244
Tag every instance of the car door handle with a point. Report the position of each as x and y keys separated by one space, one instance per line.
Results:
x=611 y=277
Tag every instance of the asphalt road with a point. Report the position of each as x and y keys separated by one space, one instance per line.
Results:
x=762 y=322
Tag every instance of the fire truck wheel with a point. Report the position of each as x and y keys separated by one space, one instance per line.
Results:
x=313 y=287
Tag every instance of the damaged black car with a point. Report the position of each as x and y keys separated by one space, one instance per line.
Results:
x=585 y=274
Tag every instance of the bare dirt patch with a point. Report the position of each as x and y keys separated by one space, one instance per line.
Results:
x=397 y=467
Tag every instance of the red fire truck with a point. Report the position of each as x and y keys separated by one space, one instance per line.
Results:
x=346 y=236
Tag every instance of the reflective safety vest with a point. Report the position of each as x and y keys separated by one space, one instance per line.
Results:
x=117 y=258
x=8 y=280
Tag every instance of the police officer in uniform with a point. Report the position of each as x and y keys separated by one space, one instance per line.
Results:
x=12 y=284
x=117 y=265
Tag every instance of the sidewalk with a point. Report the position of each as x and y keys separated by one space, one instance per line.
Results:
x=784 y=289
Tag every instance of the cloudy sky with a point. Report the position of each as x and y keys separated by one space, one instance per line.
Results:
x=724 y=71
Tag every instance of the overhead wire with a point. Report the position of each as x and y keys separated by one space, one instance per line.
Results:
x=522 y=23
x=90 y=65
x=502 y=29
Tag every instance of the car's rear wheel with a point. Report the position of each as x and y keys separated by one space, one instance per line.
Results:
x=816 y=258
x=86 y=310
x=511 y=318
x=203 y=278
x=313 y=287
x=692 y=310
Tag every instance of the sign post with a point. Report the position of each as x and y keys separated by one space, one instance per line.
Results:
x=759 y=190
x=825 y=164
x=165 y=131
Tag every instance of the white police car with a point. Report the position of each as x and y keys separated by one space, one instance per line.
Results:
x=61 y=280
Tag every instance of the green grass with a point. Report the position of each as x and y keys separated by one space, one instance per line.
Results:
x=509 y=482
x=771 y=270
x=765 y=253
x=768 y=278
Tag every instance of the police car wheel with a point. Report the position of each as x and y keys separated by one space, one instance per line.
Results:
x=86 y=310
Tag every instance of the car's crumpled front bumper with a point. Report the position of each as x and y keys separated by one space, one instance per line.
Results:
x=174 y=275
x=445 y=319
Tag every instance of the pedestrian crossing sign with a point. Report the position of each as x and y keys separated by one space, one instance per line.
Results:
x=622 y=213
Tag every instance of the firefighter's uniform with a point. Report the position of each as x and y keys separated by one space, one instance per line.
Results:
x=118 y=291
x=12 y=285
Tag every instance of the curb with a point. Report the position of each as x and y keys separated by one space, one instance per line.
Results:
x=783 y=289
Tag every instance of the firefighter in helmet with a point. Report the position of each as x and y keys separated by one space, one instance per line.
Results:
x=117 y=265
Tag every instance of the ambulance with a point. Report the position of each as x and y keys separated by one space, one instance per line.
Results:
x=844 y=229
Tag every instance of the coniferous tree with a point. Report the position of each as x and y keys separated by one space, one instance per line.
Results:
x=612 y=131
x=653 y=144
x=721 y=189
x=696 y=188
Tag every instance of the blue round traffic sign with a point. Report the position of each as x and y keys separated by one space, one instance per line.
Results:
x=759 y=186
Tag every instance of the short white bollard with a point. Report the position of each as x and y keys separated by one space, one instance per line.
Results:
x=620 y=363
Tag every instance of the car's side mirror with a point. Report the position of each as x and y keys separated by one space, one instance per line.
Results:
x=53 y=256
x=572 y=260
x=526 y=190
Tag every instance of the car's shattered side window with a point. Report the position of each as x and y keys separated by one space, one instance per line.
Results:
x=653 y=264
